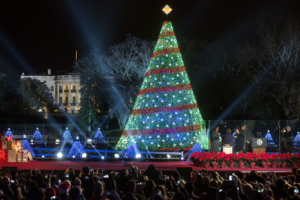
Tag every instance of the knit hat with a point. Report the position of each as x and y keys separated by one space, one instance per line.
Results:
x=49 y=193
x=64 y=187
x=130 y=186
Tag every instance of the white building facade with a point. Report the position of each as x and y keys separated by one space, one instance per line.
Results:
x=64 y=89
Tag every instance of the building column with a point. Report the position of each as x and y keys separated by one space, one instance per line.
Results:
x=63 y=94
x=69 y=95
x=57 y=93
x=77 y=103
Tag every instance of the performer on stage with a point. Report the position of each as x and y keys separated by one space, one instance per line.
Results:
x=248 y=138
x=216 y=140
x=239 y=141
x=229 y=139
x=287 y=139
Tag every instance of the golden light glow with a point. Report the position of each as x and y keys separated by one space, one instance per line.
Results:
x=167 y=9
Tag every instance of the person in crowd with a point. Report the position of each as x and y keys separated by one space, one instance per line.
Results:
x=152 y=173
x=239 y=141
x=87 y=182
x=204 y=186
x=18 y=193
x=50 y=194
x=216 y=140
x=98 y=190
x=229 y=139
x=71 y=173
x=64 y=190
x=6 y=188
x=254 y=177
x=76 y=193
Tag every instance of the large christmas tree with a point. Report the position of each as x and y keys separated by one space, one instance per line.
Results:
x=165 y=115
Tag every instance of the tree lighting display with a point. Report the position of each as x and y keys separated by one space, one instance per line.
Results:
x=165 y=115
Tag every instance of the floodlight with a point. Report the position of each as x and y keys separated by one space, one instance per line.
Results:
x=59 y=155
x=117 y=156
x=43 y=156
x=24 y=136
x=73 y=156
x=168 y=156
x=102 y=157
x=77 y=137
x=138 y=156
x=89 y=141
x=83 y=155
x=181 y=158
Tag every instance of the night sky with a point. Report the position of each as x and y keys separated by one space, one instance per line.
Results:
x=36 y=35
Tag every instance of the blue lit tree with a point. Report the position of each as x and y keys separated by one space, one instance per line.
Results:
x=297 y=140
x=132 y=151
x=8 y=133
x=99 y=136
x=37 y=136
x=27 y=146
x=67 y=138
x=270 y=140
x=77 y=150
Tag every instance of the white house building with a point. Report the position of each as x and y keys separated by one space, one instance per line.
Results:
x=64 y=89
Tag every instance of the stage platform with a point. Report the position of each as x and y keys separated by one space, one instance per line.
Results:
x=118 y=165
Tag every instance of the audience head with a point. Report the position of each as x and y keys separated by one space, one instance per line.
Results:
x=189 y=187
x=176 y=175
x=86 y=171
x=77 y=182
x=75 y=193
x=50 y=192
x=65 y=187
x=38 y=194
x=98 y=187
x=6 y=182
x=130 y=186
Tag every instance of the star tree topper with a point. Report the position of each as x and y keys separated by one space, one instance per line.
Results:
x=167 y=9
x=9 y=138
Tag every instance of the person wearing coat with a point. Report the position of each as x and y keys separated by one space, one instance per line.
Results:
x=216 y=140
x=239 y=141
x=229 y=139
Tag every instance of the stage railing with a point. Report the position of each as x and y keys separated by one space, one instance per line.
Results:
x=281 y=136
x=39 y=152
